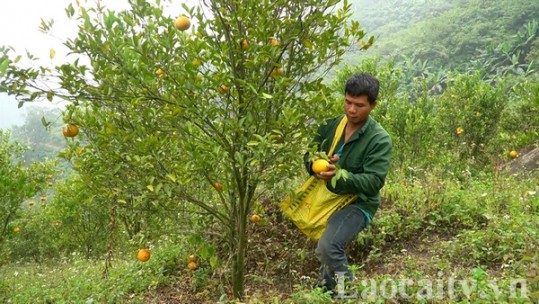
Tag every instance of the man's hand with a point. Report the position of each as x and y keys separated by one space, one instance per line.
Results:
x=332 y=170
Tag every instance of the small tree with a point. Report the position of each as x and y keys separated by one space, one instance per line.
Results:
x=212 y=115
x=17 y=183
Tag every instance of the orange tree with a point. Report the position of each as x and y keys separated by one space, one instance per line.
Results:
x=17 y=183
x=169 y=110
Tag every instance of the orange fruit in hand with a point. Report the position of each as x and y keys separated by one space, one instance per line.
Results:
x=182 y=23
x=320 y=165
x=70 y=130
x=143 y=255
x=255 y=218
x=513 y=154
x=192 y=265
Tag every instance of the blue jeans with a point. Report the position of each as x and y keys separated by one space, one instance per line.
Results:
x=343 y=226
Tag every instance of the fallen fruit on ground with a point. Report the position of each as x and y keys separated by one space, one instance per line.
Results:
x=143 y=255
x=192 y=265
x=513 y=154
x=255 y=218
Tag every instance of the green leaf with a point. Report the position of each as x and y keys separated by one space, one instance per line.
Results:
x=171 y=177
x=3 y=66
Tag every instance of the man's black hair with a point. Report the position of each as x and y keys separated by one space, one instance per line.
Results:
x=363 y=84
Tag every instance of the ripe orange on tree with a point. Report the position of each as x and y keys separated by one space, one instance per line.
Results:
x=70 y=130
x=143 y=255
x=16 y=230
x=182 y=23
x=320 y=165
x=277 y=72
x=160 y=73
x=218 y=186
x=223 y=89
x=274 y=42
x=244 y=44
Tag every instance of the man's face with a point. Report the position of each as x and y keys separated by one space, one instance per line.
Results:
x=357 y=109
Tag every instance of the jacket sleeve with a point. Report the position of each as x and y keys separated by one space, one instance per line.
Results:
x=375 y=169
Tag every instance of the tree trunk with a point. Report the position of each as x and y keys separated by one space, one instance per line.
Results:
x=238 y=253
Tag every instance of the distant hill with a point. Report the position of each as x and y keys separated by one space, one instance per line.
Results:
x=451 y=33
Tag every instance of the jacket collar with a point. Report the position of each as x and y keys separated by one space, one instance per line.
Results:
x=362 y=130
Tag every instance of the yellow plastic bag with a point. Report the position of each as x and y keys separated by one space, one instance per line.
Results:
x=312 y=203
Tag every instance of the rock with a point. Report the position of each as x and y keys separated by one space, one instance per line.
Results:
x=527 y=161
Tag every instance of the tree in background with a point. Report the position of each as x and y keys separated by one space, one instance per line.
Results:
x=209 y=111
x=42 y=143
x=17 y=183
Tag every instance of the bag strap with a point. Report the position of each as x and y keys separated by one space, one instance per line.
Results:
x=338 y=133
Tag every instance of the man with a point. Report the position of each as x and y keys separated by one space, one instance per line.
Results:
x=364 y=150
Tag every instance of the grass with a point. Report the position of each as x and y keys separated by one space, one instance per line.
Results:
x=473 y=241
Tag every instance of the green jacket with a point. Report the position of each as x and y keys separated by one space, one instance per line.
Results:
x=366 y=156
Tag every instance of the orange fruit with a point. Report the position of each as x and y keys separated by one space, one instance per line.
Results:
x=49 y=184
x=513 y=154
x=192 y=258
x=43 y=198
x=16 y=230
x=255 y=218
x=70 y=130
x=460 y=130
x=159 y=72
x=218 y=186
x=277 y=72
x=274 y=42
x=143 y=255
x=244 y=44
x=320 y=165
x=182 y=23
x=49 y=176
x=223 y=89
x=192 y=265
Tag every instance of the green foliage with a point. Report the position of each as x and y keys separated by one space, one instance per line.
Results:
x=17 y=184
x=156 y=110
x=452 y=34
